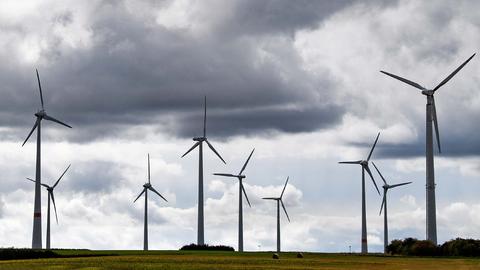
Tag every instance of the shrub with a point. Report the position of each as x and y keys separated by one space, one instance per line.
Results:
x=207 y=247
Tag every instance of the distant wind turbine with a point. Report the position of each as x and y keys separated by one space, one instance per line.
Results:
x=50 y=195
x=383 y=207
x=146 y=187
x=364 y=164
x=37 y=212
x=241 y=190
x=199 y=143
x=279 y=201
x=431 y=115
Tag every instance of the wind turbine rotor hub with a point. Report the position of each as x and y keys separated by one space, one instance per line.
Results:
x=427 y=92
x=199 y=139
x=364 y=163
x=147 y=185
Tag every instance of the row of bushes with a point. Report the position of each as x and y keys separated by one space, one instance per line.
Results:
x=25 y=253
x=207 y=247
x=415 y=247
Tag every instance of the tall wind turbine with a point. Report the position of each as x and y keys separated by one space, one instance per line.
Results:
x=383 y=207
x=199 y=143
x=146 y=187
x=279 y=201
x=50 y=195
x=364 y=164
x=241 y=190
x=37 y=213
x=431 y=116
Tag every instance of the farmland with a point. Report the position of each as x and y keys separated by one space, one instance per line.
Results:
x=228 y=260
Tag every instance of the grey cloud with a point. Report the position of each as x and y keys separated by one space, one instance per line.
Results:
x=136 y=73
x=93 y=177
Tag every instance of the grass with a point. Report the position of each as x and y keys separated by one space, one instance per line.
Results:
x=231 y=260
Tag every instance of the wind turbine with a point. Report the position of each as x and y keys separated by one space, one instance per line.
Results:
x=431 y=115
x=383 y=207
x=50 y=195
x=199 y=143
x=146 y=187
x=279 y=201
x=364 y=164
x=37 y=212
x=241 y=190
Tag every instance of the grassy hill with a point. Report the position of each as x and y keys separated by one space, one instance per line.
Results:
x=85 y=259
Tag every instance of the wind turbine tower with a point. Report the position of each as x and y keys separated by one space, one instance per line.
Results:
x=147 y=186
x=431 y=116
x=241 y=191
x=37 y=213
x=199 y=142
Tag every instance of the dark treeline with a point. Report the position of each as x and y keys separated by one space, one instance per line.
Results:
x=25 y=253
x=207 y=247
x=415 y=247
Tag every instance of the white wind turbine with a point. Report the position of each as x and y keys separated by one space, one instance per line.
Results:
x=383 y=207
x=50 y=196
x=241 y=190
x=364 y=164
x=199 y=143
x=279 y=202
x=37 y=210
x=147 y=186
x=431 y=115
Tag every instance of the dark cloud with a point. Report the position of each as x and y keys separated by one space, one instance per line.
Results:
x=138 y=72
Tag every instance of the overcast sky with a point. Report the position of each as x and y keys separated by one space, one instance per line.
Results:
x=297 y=80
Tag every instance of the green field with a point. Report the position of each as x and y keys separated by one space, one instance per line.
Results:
x=231 y=260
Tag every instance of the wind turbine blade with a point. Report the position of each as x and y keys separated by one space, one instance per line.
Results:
x=401 y=184
x=379 y=173
x=31 y=131
x=47 y=117
x=245 y=193
x=435 y=123
x=414 y=84
x=54 y=206
x=149 y=168
x=40 y=88
x=56 y=183
x=205 y=118
x=284 y=187
x=283 y=206
x=143 y=191
x=193 y=147
x=270 y=198
x=215 y=151
x=373 y=147
x=226 y=174
x=31 y=179
x=453 y=73
x=371 y=176
x=154 y=190
x=383 y=202
x=350 y=162
x=246 y=162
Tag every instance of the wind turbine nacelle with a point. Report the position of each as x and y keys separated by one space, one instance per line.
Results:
x=147 y=185
x=199 y=139
x=40 y=113
x=364 y=163
x=241 y=176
